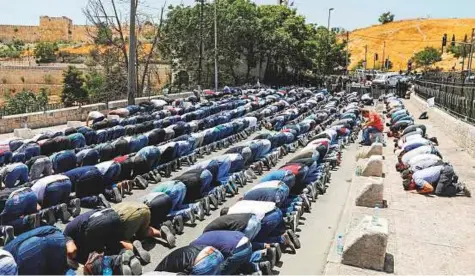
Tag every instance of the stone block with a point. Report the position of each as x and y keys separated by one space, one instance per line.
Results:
x=367 y=152
x=113 y=117
x=369 y=191
x=24 y=133
x=74 y=124
x=373 y=167
x=365 y=246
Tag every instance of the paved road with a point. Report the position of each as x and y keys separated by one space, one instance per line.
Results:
x=316 y=232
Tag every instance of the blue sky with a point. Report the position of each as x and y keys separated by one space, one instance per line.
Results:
x=349 y=14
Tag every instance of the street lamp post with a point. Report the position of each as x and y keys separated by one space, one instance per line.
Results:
x=329 y=16
x=216 y=45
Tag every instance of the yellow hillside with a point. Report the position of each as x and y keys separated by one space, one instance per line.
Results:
x=406 y=37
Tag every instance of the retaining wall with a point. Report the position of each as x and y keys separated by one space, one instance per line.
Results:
x=63 y=115
x=461 y=132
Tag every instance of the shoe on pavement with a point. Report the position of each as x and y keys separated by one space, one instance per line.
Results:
x=278 y=252
x=190 y=215
x=167 y=235
x=117 y=194
x=48 y=216
x=104 y=201
x=199 y=210
x=33 y=220
x=265 y=268
x=293 y=237
x=169 y=224
x=206 y=206
x=75 y=207
x=178 y=224
x=7 y=233
x=271 y=256
x=129 y=264
x=213 y=200
x=287 y=242
x=63 y=213
x=140 y=182
x=141 y=253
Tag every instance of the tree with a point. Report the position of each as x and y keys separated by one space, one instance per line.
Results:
x=94 y=83
x=386 y=17
x=427 y=57
x=73 y=87
x=45 y=52
x=104 y=33
x=26 y=101
x=272 y=39
x=459 y=50
x=110 y=27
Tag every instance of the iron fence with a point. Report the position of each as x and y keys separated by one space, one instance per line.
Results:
x=451 y=97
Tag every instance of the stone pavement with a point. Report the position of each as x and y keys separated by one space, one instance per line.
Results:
x=427 y=234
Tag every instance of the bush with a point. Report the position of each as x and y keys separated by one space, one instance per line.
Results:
x=427 y=57
x=26 y=101
x=45 y=52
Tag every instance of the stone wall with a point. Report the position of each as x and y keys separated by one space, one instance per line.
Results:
x=461 y=132
x=49 y=29
x=62 y=116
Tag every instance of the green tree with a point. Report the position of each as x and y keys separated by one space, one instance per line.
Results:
x=427 y=57
x=94 y=83
x=386 y=17
x=252 y=39
x=45 y=52
x=103 y=35
x=460 y=50
x=26 y=101
x=73 y=87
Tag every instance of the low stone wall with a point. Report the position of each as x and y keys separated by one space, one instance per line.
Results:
x=461 y=132
x=62 y=116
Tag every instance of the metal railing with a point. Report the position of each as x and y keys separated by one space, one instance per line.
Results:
x=455 y=98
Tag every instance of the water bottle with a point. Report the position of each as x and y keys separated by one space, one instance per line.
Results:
x=339 y=245
x=106 y=266
x=375 y=220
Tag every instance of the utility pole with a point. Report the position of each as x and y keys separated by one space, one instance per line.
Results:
x=132 y=77
x=464 y=53
x=365 y=56
x=216 y=45
x=200 y=62
x=384 y=52
x=470 y=57
x=347 y=49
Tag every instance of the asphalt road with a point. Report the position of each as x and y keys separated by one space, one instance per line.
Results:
x=317 y=229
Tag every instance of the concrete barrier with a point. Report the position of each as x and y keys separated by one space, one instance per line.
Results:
x=367 y=152
x=75 y=124
x=24 y=133
x=365 y=246
x=373 y=166
x=369 y=191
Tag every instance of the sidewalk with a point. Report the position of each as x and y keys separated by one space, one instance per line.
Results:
x=427 y=234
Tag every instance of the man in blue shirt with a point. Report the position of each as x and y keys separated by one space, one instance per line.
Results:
x=237 y=251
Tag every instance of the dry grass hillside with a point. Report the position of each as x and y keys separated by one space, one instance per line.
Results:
x=406 y=37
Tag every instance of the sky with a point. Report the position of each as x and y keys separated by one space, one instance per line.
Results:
x=349 y=14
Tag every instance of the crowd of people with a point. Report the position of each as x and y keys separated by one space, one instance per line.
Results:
x=420 y=163
x=74 y=176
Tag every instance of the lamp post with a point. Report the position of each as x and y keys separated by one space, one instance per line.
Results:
x=329 y=16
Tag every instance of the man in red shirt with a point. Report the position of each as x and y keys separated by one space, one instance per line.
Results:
x=374 y=124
